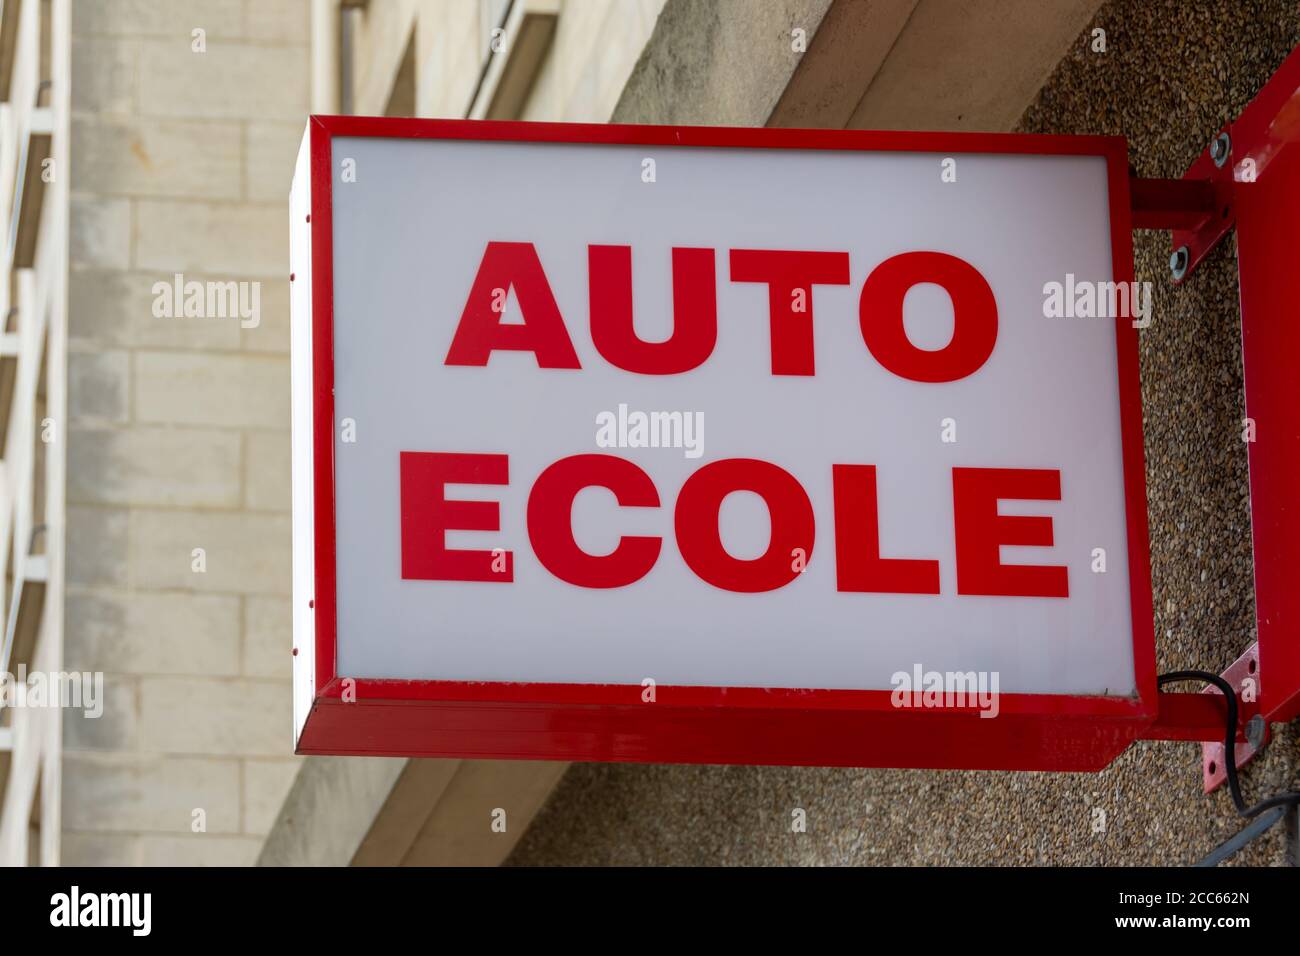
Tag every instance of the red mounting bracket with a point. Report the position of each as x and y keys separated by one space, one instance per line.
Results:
x=1199 y=208
x=1214 y=172
x=1248 y=178
x=1243 y=675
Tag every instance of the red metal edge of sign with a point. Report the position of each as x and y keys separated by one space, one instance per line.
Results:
x=1266 y=189
x=1257 y=190
x=714 y=724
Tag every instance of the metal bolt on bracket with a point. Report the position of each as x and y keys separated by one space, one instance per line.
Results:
x=1255 y=731
x=1221 y=149
x=1178 y=263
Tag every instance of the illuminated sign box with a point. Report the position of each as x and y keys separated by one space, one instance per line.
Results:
x=716 y=445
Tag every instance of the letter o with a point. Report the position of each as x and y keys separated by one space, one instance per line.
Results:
x=974 y=317
x=696 y=524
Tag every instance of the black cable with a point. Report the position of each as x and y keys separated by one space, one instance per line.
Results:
x=1230 y=740
x=1242 y=838
x=1230 y=743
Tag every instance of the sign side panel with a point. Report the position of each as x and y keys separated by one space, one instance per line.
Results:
x=300 y=365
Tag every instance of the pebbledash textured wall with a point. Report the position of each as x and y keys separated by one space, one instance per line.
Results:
x=1172 y=73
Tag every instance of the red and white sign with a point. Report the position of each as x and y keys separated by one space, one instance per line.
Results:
x=689 y=444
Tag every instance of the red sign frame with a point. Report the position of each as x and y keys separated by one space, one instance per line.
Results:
x=687 y=724
x=1265 y=203
x=1252 y=184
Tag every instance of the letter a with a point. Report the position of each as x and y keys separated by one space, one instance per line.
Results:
x=480 y=332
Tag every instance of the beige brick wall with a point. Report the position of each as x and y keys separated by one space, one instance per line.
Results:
x=178 y=432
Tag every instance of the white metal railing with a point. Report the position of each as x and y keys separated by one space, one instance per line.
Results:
x=33 y=324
